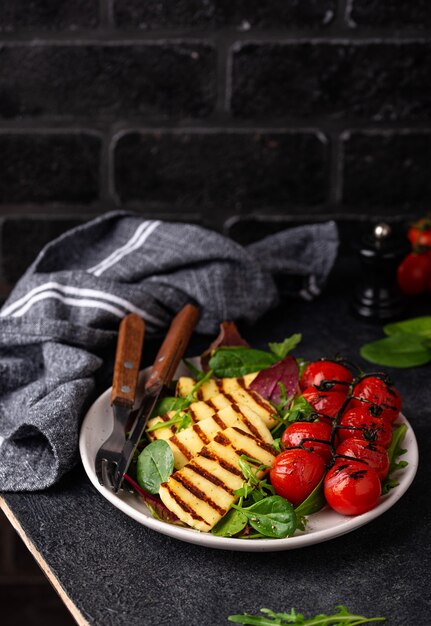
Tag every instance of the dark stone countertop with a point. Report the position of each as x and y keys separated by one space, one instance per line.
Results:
x=118 y=572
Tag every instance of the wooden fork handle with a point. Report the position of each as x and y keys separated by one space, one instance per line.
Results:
x=173 y=347
x=127 y=360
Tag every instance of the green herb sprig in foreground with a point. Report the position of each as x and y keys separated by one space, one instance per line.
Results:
x=269 y=618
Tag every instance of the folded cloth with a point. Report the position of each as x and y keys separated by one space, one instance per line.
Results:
x=61 y=320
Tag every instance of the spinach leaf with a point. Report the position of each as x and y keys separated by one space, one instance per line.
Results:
x=313 y=503
x=272 y=517
x=398 y=350
x=282 y=349
x=231 y=524
x=415 y=326
x=155 y=465
x=229 y=362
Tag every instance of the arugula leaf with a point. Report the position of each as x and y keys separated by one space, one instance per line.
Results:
x=155 y=465
x=283 y=348
x=270 y=618
x=238 y=361
x=397 y=350
x=272 y=517
x=416 y=326
x=394 y=451
x=170 y=403
x=292 y=411
x=181 y=420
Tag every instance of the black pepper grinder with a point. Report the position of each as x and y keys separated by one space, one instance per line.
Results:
x=377 y=296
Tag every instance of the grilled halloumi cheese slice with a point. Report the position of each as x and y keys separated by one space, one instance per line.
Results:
x=198 y=411
x=235 y=390
x=189 y=442
x=202 y=492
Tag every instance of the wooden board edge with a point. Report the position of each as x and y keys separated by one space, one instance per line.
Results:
x=76 y=614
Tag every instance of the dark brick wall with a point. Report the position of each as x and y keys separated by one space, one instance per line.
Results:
x=209 y=109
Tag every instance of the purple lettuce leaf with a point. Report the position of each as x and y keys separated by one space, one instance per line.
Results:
x=267 y=382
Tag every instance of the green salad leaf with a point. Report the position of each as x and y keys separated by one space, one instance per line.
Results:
x=272 y=517
x=313 y=503
x=286 y=346
x=227 y=362
x=270 y=618
x=395 y=450
x=397 y=350
x=155 y=465
x=416 y=326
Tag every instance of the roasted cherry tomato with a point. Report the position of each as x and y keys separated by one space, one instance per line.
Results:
x=385 y=398
x=414 y=273
x=374 y=454
x=420 y=233
x=295 y=473
x=357 y=423
x=352 y=487
x=326 y=403
x=304 y=433
x=329 y=372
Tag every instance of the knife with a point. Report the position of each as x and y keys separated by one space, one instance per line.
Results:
x=126 y=368
x=162 y=372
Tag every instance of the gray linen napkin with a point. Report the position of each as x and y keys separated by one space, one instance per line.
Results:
x=61 y=320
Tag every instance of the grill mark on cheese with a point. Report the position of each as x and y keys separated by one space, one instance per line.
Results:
x=265 y=446
x=221 y=439
x=181 y=447
x=259 y=400
x=218 y=420
x=200 y=495
x=252 y=428
x=200 y=433
x=192 y=414
x=211 y=404
x=200 y=395
x=241 y=382
x=183 y=505
x=198 y=469
x=208 y=454
x=230 y=398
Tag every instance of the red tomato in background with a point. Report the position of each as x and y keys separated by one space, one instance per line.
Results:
x=379 y=392
x=413 y=273
x=317 y=371
x=295 y=473
x=373 y=453
x=420 y=233
x=327 y=403
x=298 y=431
x=351 y=487
x=357 y=423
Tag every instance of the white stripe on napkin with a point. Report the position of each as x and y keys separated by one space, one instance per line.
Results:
x=56 y=290
x=141 y=234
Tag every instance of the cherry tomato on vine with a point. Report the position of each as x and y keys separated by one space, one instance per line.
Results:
x=413 y=273
x=419 y=233
x=351 y=487
x=295 y=473
x=327 y=403
x=324 y=370
x=380 y=393
x=298 y=431
x=357 y=423
x=374 y=454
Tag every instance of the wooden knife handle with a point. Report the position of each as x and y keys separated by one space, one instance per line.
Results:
x=127 y=360
x=173 y=347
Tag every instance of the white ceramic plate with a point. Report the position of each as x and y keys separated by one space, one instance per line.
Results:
x=321 y=526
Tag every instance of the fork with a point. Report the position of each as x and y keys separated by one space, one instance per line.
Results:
x=126 y=369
